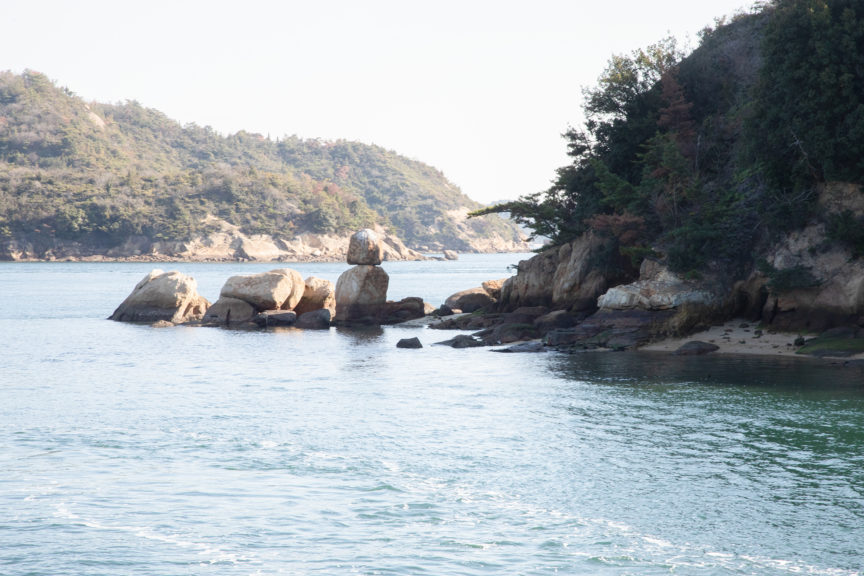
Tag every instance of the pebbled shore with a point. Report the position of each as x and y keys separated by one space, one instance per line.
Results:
x=739 y=336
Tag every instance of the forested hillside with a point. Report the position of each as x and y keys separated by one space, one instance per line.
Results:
x=702 y=161
x=98 y=174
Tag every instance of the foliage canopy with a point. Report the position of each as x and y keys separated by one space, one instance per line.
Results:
x=100 y=173
x=713 y=152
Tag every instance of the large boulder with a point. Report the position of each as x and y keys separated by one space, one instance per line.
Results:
x=318 y=294
x=657 y=289
x=406 y=309
x=469 y=300
x=273 y=290
x=361 y=291
x=364 y=248
x=167 y=296
x=565 y=277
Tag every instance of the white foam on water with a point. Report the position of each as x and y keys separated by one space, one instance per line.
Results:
x=213 y=554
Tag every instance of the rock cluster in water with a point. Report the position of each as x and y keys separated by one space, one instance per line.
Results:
x=278 y=297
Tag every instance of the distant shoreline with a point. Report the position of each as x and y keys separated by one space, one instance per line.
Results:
x=161 y=259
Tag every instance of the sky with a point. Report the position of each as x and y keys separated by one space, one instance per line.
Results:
x=482 y=90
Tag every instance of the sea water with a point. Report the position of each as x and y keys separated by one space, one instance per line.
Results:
x=127 y=449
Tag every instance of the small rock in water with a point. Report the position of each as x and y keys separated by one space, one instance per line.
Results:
x=524 y=347
x=462 y=341
x=409 y=343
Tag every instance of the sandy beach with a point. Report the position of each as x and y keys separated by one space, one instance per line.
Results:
x=739 y=336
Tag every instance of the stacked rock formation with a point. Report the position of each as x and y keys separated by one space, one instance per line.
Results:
x=361 y=291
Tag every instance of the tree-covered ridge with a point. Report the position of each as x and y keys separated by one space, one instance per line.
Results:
x=100 y=173
x=703 y=157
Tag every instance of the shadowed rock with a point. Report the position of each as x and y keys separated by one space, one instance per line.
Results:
x=696 y=348
x=271 y=318
x=314 y=320
x=228 y=311
x=461 y=341
x=409 y=343
x=470 y=300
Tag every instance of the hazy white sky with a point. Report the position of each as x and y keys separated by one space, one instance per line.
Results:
x=479 y=89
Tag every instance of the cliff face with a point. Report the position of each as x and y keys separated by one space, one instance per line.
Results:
x=811 y=280
x=806 y=280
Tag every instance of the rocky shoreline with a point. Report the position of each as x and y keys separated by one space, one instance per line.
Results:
x=556 y=301
x=227 y=243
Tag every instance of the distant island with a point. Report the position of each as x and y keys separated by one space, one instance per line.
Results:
x=89 y=180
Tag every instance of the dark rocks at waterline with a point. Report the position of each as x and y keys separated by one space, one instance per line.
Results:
x=443 y=311
x=403 y=310
x=409 y=343
x=696 y=348
x=227 y=311
x=507 y=333
x=555 y=320
x=524 y=348
x=838 y=342
x=461 y=341
x=314 y=320
x=470 y=300
x=616 y=330
x=274 y=318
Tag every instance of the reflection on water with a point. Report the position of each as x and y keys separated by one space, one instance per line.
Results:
x=782 y=374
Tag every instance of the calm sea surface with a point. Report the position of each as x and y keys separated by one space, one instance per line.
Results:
x=126 y=449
